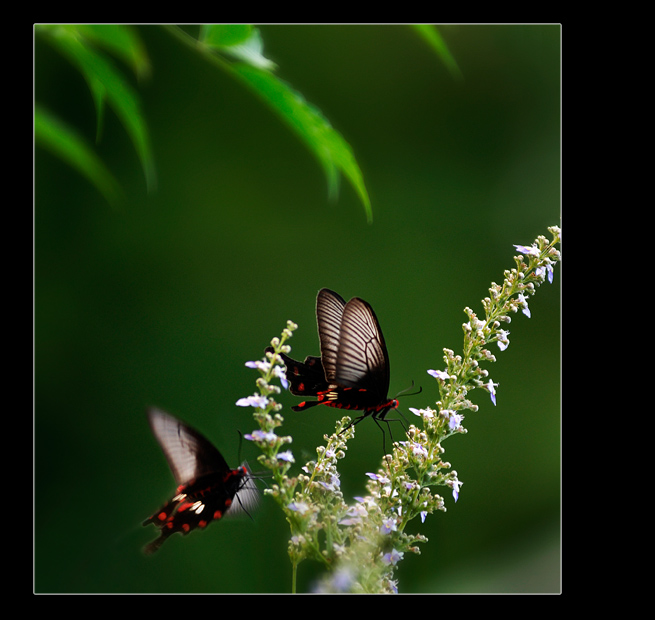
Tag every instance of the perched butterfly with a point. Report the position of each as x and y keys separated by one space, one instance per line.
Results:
x=353 y=369
x=207 y=487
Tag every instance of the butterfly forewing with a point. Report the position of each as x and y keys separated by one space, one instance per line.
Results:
x=329 y=315
x=188 y=453
x=362 y=360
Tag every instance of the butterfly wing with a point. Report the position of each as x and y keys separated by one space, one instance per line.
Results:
x=305 y=378
x=329 y=316
x=189 y=454
x=247 y=496
x=357 y=352
x=207 y=488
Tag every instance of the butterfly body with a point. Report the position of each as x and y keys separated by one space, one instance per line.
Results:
x=206 y=487
x=352 y=372
x=353 y=398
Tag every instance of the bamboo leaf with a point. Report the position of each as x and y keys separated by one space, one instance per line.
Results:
x=332 y=151
x=55 y=136
x=108 y=84
x=224 y=35
x=434 y=39
x=122 y=42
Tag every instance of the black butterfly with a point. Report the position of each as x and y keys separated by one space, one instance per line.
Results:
x=353 y=369
x=207 y=487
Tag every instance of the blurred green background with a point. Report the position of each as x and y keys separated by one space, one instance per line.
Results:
x=161 y=301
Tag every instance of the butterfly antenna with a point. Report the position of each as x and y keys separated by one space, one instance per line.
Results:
x=406 y=391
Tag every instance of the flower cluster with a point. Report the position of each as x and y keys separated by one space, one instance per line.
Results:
x=362 y=543
x=463 y=373
x=267 y=408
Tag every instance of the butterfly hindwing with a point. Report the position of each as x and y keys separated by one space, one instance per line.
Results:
x=305 y=378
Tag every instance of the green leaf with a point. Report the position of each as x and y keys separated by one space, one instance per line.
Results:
x=108 y=84
x=241 y=42
x=251 y=51
x=122 y=42
x=55 y=136
x=224 y=35
x=332 y=151
x=434 y=39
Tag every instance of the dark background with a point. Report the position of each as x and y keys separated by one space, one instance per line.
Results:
x=161 y=301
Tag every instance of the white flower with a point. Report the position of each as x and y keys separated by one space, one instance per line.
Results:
x=533 y=250
x=503 y=340
x=300 y=507
x=454 y=420
x=388 y=526
x=392 y=557
x=256 y=400
x=454 y=485
x=491 y=386
x=524 y=302
x=261 y=436
x=426 y=414
x=265 y=366
x=281 y=374
x=439 y=374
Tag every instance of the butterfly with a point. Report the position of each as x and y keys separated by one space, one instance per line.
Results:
x=206 y=487
x=352 y=371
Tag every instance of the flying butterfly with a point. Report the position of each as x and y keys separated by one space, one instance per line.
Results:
x=206 y=487
x=353 y=369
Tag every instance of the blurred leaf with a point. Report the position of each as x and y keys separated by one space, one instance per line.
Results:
x=332 y=151
x=122 y=41
x=61 y=140
x=434 y=39
x=251 y=51
x=224 y=35
x=106 y=84
x=327 y=144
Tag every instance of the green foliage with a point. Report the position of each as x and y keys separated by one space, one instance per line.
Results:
x=236 y=49
x=239 y=51
x=83 y=47
x=60 y=139
x=432 y=37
